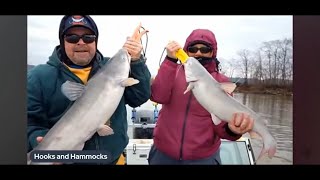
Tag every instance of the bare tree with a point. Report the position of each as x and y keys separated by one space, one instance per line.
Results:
x=228 y=67
x=257 y=67
x=286 y=57
x=267 y=51
x=277 y=54
x=244 y=59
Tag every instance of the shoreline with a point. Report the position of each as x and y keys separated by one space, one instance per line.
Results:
x=264 y=90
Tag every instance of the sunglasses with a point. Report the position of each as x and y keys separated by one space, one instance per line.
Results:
x=203 y=49
x=74 y=38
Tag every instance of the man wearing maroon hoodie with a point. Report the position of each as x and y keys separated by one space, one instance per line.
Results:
x=185 y=132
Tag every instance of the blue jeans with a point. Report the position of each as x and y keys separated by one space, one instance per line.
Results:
x=157 y=157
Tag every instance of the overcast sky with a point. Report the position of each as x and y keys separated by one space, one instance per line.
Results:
x=233 y=33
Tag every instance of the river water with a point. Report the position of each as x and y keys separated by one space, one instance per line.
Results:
x=278 y=111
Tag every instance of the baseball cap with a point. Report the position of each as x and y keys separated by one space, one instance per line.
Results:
x=70 y=21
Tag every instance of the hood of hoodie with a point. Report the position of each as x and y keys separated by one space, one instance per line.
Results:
x=207 y=37
x=203 y=36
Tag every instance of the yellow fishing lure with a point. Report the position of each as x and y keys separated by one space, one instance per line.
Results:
x=182 y=56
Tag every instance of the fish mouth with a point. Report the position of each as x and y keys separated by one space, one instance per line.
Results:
x=128 y=55
x=191 y=79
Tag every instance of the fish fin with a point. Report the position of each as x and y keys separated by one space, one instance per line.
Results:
x=216 y=121
x=228 y=87
x=80 y=146
x=29 y=158
x=271 y=152
x=190 y=78
x=254 y=135
x=129 y=82
x=105 y=130
x=108 y=123
x=72 y=90
x=269 y=149
x=189 y=88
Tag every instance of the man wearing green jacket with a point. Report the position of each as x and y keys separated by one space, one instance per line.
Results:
x=78 y=59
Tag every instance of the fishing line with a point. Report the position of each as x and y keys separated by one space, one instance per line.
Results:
x=144 y=50
x=161 y=57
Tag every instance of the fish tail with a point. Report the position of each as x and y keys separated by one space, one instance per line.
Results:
x=269 y=147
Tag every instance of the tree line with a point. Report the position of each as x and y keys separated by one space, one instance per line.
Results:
x=269 y=65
